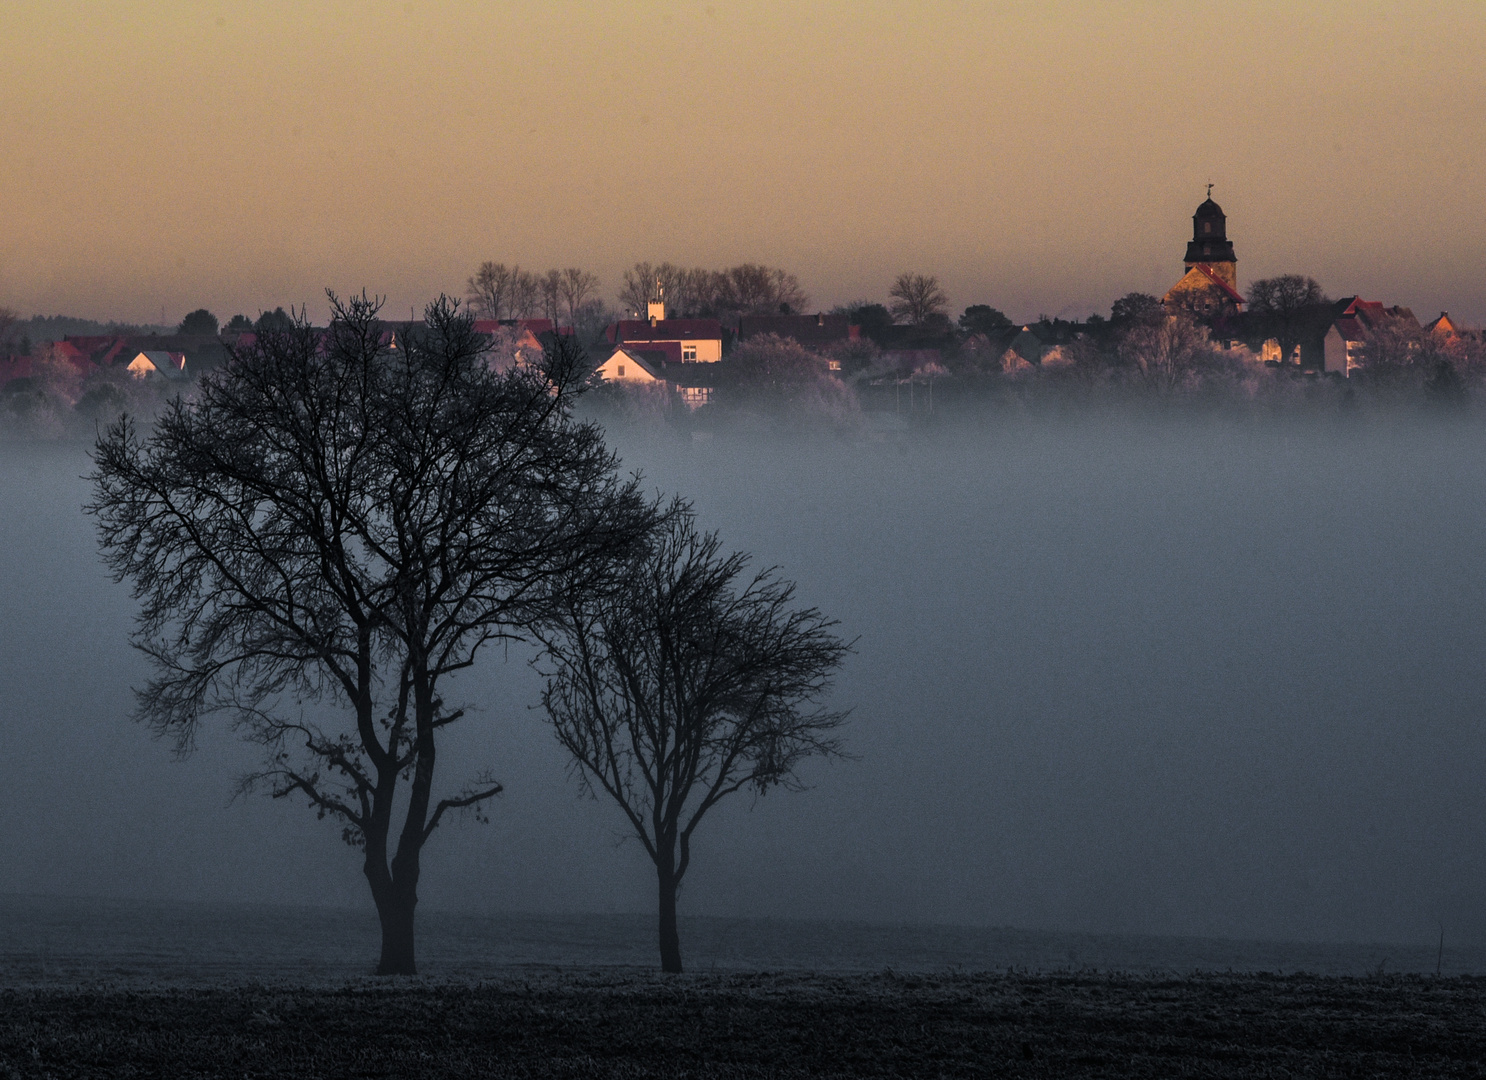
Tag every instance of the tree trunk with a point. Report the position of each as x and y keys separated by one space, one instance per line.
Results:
x=396 y=913
x=670 y=939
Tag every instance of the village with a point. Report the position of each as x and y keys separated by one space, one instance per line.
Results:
x=721 y=337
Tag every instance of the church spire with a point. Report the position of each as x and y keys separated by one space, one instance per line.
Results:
x=1210 y=245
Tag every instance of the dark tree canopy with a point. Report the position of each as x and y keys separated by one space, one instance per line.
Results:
x=687 y=682
x=238 y=324
x=867 y=314
x=1136 y=309
x=328 y=530
x=199 y=321
x=277 y=319
x=1284 y=295
x=1285 y=308
x=983 y=319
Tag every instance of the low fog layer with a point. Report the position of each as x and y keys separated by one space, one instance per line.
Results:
x=1168 y=677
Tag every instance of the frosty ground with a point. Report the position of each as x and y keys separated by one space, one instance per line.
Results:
x=602 y=1023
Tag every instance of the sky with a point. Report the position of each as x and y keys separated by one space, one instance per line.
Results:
x=1044 y=158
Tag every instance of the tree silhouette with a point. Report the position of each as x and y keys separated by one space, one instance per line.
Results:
x=329 y=530
x=199 y=321
x=687 y=682
x=917 y=298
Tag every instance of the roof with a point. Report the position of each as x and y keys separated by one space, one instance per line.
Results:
x=664 y=330
x=1443 y=325
x=806 y=329
x=646 y=359
x=1359 y=316
x=1208 y=272
x=1209 y=209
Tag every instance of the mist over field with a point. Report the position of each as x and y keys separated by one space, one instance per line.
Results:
x=1171 y=676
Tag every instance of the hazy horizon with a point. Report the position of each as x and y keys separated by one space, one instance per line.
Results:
x=1041 y=158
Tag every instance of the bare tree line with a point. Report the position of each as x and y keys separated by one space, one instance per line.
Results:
x=745 y=289
x=498 y=291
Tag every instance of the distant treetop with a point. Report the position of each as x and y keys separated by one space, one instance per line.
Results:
x=199 y=321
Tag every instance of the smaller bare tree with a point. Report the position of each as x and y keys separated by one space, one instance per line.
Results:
x=678 y=687
x=917 y=297
x=576 y=287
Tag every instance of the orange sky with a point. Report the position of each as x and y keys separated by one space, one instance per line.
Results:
x=1040 y=157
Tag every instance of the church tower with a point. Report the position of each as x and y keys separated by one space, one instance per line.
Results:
x=1210 y=245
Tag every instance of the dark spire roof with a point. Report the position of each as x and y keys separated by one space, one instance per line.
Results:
x=1210 y=243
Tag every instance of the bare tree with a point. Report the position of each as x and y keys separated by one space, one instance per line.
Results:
x=1282 y=307
x=1168 y=353
x=645 y=282
x=330 y=529
x=917 y=297
x=576 y=287
x=686 y=683
x=526 y=293
x=490 y=289
x=550 y=287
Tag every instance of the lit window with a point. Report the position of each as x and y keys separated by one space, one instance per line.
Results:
x=688 y=354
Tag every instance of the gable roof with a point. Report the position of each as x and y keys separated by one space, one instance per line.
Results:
x=1443 y=325
x=644 y=359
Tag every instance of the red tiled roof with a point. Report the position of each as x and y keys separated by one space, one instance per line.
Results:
x=1211 y=275
x=664 y=330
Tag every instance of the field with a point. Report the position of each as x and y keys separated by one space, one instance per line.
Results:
x=623 y=1024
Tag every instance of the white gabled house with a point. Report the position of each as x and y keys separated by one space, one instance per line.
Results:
x=158 y=363
x=630 y=367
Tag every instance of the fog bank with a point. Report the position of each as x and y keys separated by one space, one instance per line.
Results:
x=1161 y=677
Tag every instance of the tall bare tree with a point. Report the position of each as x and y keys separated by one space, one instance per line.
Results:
x=576 y=288
x=489 y=290
x=327 y=532
x=526 y=293
x=917 y=297
x=687 y=682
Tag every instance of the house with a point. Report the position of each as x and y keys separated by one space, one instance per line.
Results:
x=629 y=366
x=633 y=367
x=1357 y=321
x=157 y=363
x=683 y=341
x=1444 y=327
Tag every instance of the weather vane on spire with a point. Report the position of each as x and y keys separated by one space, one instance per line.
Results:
x=1209 y=189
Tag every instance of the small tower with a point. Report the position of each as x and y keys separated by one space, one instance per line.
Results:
x=657 y=307
x=1210 y=245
